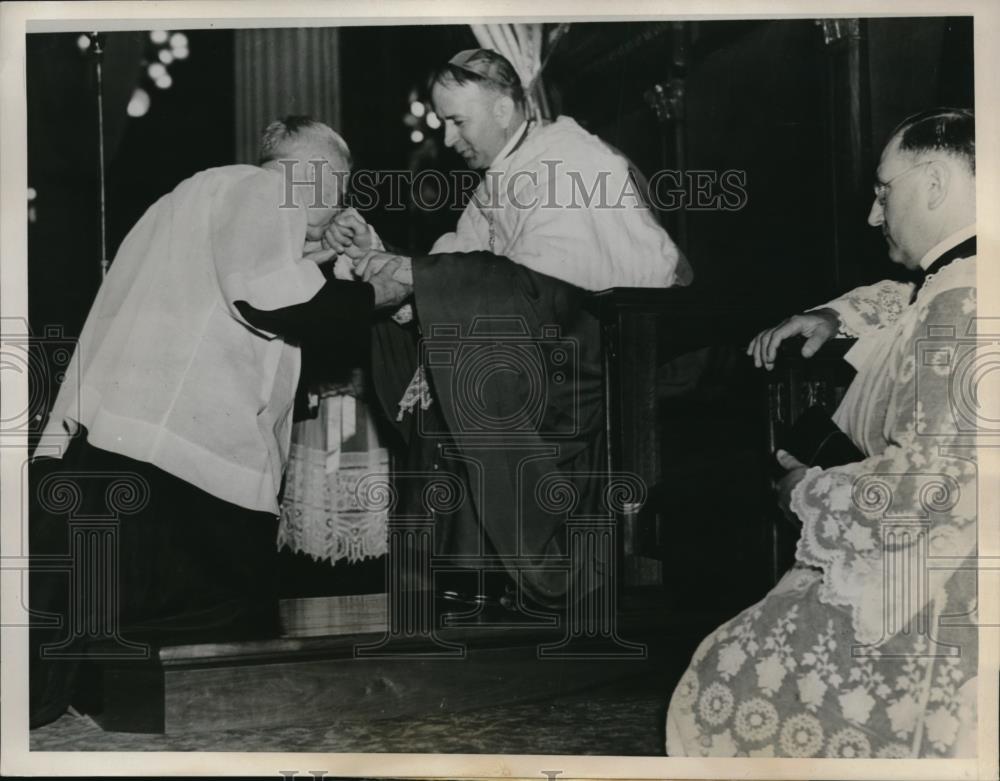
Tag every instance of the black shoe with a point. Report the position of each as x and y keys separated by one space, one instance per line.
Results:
x=52 y=683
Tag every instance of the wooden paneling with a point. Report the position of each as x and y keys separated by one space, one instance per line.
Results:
x=795 y=384
x=905 y=70
x=684 y=412
x=804 y=106
x=848 y=148
x=757 y=105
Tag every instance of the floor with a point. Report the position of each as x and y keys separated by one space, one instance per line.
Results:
x=626 y=719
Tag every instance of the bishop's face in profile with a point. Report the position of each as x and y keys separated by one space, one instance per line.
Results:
x=919 y=200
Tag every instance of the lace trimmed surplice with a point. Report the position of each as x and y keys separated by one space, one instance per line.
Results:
x=867 y=647
x=322 y=514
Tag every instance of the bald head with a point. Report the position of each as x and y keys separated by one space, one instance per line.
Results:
x=285 y=137
x=926 y=183
x=318 y=162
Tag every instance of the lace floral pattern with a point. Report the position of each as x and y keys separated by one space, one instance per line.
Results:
x=756 y=719
x=324 y=520
x=870 y=307
x=320 y=513
x=842 y=659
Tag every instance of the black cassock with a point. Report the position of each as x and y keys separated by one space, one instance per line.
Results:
x=188 y=562
x=513 y=444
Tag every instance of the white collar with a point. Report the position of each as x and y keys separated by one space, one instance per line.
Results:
x=942 y=247
x=510 y=143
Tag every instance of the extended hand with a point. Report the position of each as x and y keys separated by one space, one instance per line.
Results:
x=817 y=326
x=795 y=470
x=375 y=260
x=348 y=234
x=390 y=275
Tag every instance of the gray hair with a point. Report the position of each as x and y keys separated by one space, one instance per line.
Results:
x=295 y=127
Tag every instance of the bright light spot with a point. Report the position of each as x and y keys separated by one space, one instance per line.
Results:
x=416 y=136
x=158 y=36
x=417 y=108
x=164 y=81
x=83 y=42
x=180 y=53
x=139 y=104
x=179 y=41
x=32 y=193
x=432 y=121
x=156 y=71
x=166 y=57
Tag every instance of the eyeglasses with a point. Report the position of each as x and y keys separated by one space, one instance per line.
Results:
x=882 y=188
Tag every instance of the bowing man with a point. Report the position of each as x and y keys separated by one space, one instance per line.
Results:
x=184 y=378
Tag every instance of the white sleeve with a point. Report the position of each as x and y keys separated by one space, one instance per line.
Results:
x=257 y=247
x=870 y=307
x=593 y=246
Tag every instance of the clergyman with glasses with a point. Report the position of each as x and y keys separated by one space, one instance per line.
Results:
x=864 y=649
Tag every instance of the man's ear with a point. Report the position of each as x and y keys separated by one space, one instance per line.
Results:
x=938 y=182
x=503 y=111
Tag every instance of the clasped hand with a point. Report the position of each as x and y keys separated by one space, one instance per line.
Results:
x=348 y=234
x=349 y=239
x=345 y=239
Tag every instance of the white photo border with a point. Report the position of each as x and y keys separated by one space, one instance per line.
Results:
x=18 y=18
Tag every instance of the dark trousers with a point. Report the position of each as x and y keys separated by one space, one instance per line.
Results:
x=187 y=562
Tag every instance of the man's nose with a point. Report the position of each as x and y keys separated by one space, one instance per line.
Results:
x=876 y=216
x=450 y=135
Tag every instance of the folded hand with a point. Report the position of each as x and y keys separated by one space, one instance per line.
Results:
x=348 y=234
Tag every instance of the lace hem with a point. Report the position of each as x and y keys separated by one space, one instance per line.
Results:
x=322 y=517
x=854 y=550
x=847 y=581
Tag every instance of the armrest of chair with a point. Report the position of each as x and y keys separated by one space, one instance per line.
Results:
x=644 y=332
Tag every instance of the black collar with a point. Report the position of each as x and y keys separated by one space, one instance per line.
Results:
x=964 y=250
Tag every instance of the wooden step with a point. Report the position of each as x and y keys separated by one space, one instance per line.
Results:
x=334 y=657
